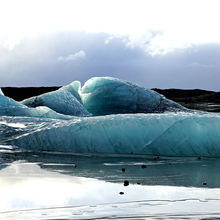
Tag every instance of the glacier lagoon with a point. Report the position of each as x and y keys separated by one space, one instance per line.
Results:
x=121 y=132
x=79 y=186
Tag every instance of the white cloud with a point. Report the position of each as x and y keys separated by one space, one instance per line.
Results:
x=182 y=23
x=71 y=57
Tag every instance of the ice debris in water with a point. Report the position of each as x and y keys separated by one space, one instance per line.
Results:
x=168 y=134
x=65 y=100
x=107 y=95
x=10 y=107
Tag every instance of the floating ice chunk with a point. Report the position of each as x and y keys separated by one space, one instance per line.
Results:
x=182 y=134
x=1 y=93
x=9 y=107
x=65 y=100
x=107 y=95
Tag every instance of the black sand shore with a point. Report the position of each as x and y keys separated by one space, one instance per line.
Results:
x=194 y=99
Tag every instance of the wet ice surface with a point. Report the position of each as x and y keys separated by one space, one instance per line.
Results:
x=79 y=186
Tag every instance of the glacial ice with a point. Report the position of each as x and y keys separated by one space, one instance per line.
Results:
x=107 y=95
x=167 y=134
x=181 y=132
x=65 y=100
x=9 y=107
x=103 y=96
x=73 y=88
x=1 y=93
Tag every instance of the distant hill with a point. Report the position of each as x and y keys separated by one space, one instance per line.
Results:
x=182 y=94
x=194 y=99
x=196 y=95
x=21 y=93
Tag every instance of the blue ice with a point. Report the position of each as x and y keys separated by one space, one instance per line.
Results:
x=167 y=134
x=1 y=93
x=65 y=100
x=180 y=132
x=10 y=107
x=107 y=95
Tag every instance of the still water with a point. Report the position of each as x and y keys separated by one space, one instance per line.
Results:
x=78 y=186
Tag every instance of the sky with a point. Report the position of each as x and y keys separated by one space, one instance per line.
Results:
x=154 y=43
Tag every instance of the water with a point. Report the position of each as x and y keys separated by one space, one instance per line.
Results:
x=203 y=106
x=79 y=186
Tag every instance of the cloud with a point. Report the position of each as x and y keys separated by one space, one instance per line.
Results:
x=71 y=57
x=153 y=41
x=34 y=62
x=147 y=41
x=199 y=65
x=178 y=30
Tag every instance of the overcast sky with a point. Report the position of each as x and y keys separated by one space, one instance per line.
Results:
x=155 y=43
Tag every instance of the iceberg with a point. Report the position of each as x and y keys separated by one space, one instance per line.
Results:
x=167 y=134
x=65 y=100
x=9 y=107
x=104 y=96
x=168 y=129
x=107 y=95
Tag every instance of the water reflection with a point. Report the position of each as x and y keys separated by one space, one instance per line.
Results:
x=88 y=186
x=188 y=172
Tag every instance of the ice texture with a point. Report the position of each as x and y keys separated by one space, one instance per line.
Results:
x=181 y=132
x=107 y=95
x=73 y=88
x=167 y=134
x=65 y=100
x=10 y=107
